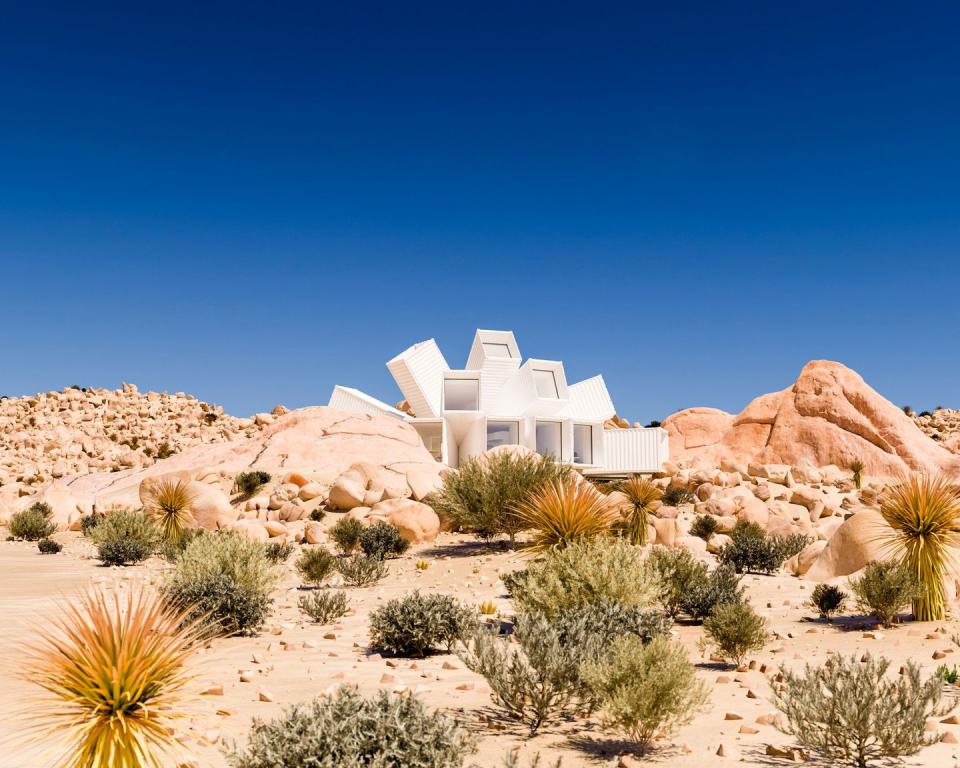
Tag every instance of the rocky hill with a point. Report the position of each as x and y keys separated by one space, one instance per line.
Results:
x=942 y=425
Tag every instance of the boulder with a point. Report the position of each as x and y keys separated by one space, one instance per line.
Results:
x=348 y=491
x=416 y=522
x=310 y=491
x=423 y=482
x=800 y=563
x=210 y=507
x=856 y=542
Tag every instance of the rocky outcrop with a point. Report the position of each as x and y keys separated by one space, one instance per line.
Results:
x=830 y=416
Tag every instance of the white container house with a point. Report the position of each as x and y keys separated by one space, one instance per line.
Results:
x=498 y=399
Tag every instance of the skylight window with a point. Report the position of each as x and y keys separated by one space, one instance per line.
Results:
x=546 y=382
x=493 y=349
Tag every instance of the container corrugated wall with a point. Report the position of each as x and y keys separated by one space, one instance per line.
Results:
x=635 y=450
x=589 y=399
x=418 y=372
x=343 y=399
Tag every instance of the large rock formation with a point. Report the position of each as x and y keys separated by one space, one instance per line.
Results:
x=830 y=416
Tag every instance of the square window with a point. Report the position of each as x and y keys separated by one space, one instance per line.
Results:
x=461 y=394
x=502 y=433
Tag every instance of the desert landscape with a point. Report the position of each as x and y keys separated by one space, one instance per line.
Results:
x=811 y=468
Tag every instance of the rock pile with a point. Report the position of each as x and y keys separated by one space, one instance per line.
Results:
x=943 y=425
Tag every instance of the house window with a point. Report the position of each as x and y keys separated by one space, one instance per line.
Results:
x=502 y=433
x=492 y=349
x=546 y=382
x=548 y=438
x=582 y=444
x=461 y=394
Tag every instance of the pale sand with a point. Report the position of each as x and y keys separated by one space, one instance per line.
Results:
x=30 y=584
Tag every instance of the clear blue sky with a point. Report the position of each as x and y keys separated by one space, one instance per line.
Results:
x=253 y=202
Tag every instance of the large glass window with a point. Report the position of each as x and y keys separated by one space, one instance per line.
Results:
x=461 y=394
x=546 y=382
x=583 y=444
x=494 y=349
x=548 y=438
x=502 y=433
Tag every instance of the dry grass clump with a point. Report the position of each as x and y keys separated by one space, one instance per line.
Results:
x=565 y=511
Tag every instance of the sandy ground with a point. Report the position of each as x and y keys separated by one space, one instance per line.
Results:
x=293 y=660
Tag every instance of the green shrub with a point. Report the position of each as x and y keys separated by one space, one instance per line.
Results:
x=346 y=730
x=721 y=587
x=346 y=534
x=677 y=573
x=33 y=523
x=124 y=537
x=316 y=515
x=226 y=581
x=277 y=552
x=646 y=690
x=827 y=599
x=171 y=549
x=248 y=483
x=948 y=674
x=704 y=526
x=735 y=629
x=89 y=522
x=382 y=541
x=752 y=550
x=582 y=573
x=48 y=546
x=884 y=589
x=851 y=711
x=316 y=564
x=361 y=571
x=675 y=495
x=416 y=624
x=324 y=607
x=480 y=497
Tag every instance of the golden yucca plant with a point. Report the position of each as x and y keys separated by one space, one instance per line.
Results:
x=641 y=495
x=564 y=511
x=170 y=505
x=923 y=512
x=113 y=675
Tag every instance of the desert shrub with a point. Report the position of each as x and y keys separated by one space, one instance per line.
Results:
x=324 y=607
x=645 y=690
x=704 y=526
x=48 y=546
x=382 y=541
x=33 y=523
x=139 y=647
x=735 y=629
x=827 y=599
x=565 y=511
x=171 y=549
x=948 y=674
x=884 y=589
x=277 y=552
x=856 y=469
x=248 y=483
x=169 y=504
x=751 y=550
x=852 y=712
x=416 y=624
x=164 y=451
x=88 y=523
x=315 y=564
x=316 y=515
x=361 y=571
x=677 y=572
x=346 y=534
x=721 y=587
x=124 y=537
x=583 y=573
x=346 y=730
x=225 y=581
x=641 y=495
x=675 y=495
x=588 y=630
x=480 y=496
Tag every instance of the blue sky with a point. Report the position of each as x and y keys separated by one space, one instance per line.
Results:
x=255 y=202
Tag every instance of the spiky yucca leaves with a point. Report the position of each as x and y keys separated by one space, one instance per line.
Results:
x=113 y=674
x=641 y=495
x=924 y=513
x=856 y=467
x=170 y=505
x=564 y=511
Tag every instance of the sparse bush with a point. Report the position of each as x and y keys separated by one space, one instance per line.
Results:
x=316 y=515
x=164 y=451
x=828 y=600
x=324 y=607
x=565 y=511
x=677 y=573
x=277 y=552
x=225 y=581
x=721 y=586
x=48 y=546
x=585 y=572
x=315 y=564
x=88 y=523
x=884 y=589
x=752 y=550
x=735 y=629
x=168 y=503
x=480 y=497
x=33 y=523
x=348 y=730
x=416 y=624
x=361 y=571
x=949 y=674
x=851 y=712
x=382 y=541
x=646 y=690
x=248 y=483
x=676 y=495
x=170 y=550
x=346 y=534
x=125 y=537
x=704 y=526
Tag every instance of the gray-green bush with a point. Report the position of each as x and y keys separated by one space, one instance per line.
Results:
x=751 y=550
x=416 y=624
x=49 y=546
x=720 y=587
x=346 y=534
x=324 y=607
x=677 y=573
x=735 y=629
x=361 y=571
x=125 y=537
x=884 y=589
x=382 y=541
x=33 y=523
x=316 y=564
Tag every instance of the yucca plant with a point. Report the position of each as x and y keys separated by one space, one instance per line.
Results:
x=565 y=511
x=170 y=504
x=113 y=673
x=856 y=467
x=923 y=512
x=641 y=495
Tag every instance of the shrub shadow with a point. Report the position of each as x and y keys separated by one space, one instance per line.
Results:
x=467 y=549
